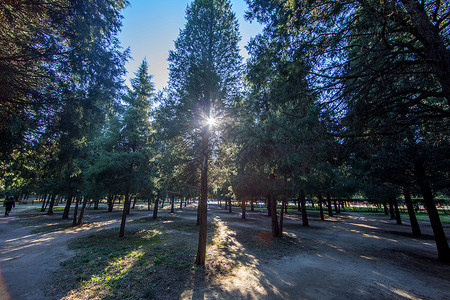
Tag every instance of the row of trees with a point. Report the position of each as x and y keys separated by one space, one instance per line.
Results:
x=337 y=98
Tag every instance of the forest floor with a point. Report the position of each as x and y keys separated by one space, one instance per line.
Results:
x=348 y=256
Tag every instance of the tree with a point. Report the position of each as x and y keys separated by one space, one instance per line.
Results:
x=136 y=137
x=365 y=46
x=205 y=70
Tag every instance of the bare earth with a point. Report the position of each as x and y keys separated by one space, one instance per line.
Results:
x=349 y=256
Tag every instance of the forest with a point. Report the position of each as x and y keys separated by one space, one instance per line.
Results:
x=339 y=100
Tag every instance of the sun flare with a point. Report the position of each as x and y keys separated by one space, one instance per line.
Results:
x=211 y=121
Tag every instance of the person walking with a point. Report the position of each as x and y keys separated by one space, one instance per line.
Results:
x=9 y=203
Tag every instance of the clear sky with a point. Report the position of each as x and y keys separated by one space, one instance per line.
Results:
x=150 y=28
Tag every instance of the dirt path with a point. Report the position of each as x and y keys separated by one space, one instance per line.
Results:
x=28 y=259
x=350 y=256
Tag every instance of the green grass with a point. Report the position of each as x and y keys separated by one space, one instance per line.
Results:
x=154 y=258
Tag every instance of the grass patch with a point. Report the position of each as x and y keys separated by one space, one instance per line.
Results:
x=154 y=260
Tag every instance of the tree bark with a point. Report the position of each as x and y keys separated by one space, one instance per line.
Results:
x=330 y=209
x=230 y=207
x=155 y=207
x=386 y=211
x=65 y=215
x=302 y=202
x=391 y=209
x=203 y=201
x=398 y=218
x=436 y=225
x=319 y=196
x=126 y=207
x=243 y=208
x=83 y=207
x=273 y=213
x=52 y=204
x=110 y=200
x=44 y=200
x=172 y=204
x=75 y=212
x=412 y=214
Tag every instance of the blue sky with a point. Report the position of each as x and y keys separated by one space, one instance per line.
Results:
x=151 y=26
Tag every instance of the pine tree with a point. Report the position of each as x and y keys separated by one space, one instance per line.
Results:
x=205 y=73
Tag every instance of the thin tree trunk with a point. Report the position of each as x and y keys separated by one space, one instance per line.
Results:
x=172 y=204
x=243 y=208
x=110 y=201
x=436 y=225
x=67 y=207
x=252 y=204
x=391 y=209
x=43 y=203
x=273 y=213
x=230 y=207
x=319 y=196
x=398 y=218
x=412 y=215
x=203 y=201
x=52 y=204
x=302 y=201
x=155 y=207
x=75 y=212
x=148 y=203
x=269 y=210
x=330 y=209
x=181 y=202
x=126 y=207
x=283 y=206
x=83 y=207
x=134 y=202
x=386 y=211
x=96 y=203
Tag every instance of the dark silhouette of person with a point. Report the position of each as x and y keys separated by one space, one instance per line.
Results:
x=9 y=203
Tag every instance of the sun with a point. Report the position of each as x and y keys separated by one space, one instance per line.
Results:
x=211 y=121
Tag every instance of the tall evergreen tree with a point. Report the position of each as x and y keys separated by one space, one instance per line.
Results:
x=205 y=74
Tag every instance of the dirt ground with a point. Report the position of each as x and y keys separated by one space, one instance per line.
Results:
x=349 y=256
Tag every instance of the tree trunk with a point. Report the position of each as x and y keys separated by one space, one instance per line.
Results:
x=252 y=204
x=126 y=208
x=330 y=209
x=386 y=211
x=283 y=206
x=44 y=199
x=65 y=215
x=149 y=203
x=203 y=201
x=80 y=217
x=134 y=202
x=230 y=207
x=436 y=225
x=302 y=201
x=172 y=204
x=398 y=218
x=412 y=215
x=52 y=204
x=319 y=196
x=243 y=208
x=273 y=213
x=181 y=202
x=269 y=204
x=391 y=209
x=110 y=200
x=155 y=207
x=75 y=212
x=96 y=203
